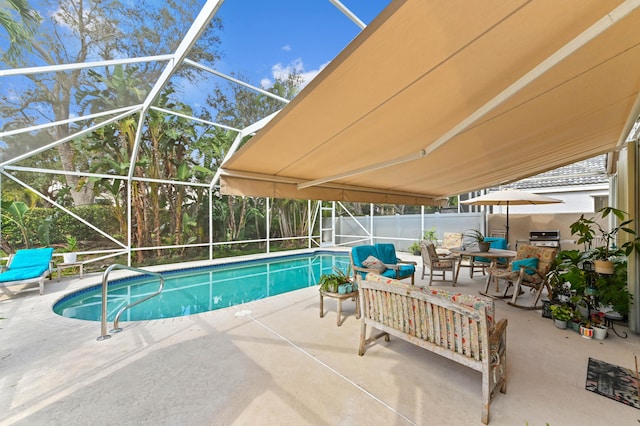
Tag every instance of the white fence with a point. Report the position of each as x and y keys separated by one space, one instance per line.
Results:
x=401 y=230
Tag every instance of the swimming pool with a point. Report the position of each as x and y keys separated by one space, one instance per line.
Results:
x=195 y=290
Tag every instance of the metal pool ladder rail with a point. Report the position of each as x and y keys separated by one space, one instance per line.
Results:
x=105 y=277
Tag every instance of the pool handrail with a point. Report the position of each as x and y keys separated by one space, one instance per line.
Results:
x=105 y=276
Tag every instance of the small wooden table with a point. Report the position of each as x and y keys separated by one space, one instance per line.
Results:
x=61 y=266
x=340 y=297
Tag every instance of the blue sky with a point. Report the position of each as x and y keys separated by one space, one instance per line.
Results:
x=261 y=38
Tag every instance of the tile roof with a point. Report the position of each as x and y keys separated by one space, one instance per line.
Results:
x=587 y=172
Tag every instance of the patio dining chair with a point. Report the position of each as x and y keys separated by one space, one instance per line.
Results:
x=450 y=240
x=437 y=265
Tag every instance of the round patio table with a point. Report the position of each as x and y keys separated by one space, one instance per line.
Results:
x=492 y=254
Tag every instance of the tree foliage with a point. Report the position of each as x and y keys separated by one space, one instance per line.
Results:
x=171 y=147
x=20 y=22
x=77 y=32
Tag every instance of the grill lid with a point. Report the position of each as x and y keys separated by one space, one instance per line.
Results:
x=544 y=235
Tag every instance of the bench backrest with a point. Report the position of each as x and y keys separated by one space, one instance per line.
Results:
x=441 y=320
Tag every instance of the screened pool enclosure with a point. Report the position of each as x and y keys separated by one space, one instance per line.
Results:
x=142 y=129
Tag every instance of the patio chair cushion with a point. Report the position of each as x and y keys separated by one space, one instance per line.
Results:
x=529 y=264
x=404 y=271
x=496 y=243
x=386 y=253
x=360 y=253
x=442 y=264
x=19 y=274
x=373 y=262
x=29 y=257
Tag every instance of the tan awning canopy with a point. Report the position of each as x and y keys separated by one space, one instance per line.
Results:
x=434 y=99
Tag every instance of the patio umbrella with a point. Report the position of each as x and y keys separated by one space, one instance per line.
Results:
x=508 y=197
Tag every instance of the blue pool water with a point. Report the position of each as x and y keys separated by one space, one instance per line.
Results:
x=195 y=290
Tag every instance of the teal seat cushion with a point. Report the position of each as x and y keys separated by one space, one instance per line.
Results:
x=27 y=258
x=360 y=253
x=404 y=272
x=386 y=253
x=529 y=264
x=496 y=243
x=19 y=274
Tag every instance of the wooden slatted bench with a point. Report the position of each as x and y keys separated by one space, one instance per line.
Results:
x=456 y=326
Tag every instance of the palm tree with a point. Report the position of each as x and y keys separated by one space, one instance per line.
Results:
x=20 y=32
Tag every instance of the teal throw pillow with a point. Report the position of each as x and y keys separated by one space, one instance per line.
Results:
x=531 y=262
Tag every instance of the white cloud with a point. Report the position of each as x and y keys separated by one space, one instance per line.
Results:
x=282 y=72
x=286 y=48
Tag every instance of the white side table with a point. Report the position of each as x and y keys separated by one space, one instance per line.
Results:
x=62 y=266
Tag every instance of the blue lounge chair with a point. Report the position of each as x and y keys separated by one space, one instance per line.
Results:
x=389 y=265
x=28 y=265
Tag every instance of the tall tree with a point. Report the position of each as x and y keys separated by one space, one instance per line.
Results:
x=240 y=107
x=80 y=31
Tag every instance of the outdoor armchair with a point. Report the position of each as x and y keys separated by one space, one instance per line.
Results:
x=529 y=268
x=381 y=259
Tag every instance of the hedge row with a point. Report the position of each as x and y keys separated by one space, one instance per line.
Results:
x=62 y=225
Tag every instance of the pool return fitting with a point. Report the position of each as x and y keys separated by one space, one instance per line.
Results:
x=105 y=286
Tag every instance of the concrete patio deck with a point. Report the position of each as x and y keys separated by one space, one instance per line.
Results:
x=276 y=362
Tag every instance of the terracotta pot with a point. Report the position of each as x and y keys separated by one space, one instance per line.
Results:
x=603 y=266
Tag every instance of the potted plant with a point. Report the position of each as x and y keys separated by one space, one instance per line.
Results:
x=70 y=250
x=611 y=290
x=576 y=320
x=477 y=237
x=599 y=330
x=566 y=277
x=331 y=283
x=586 y=330
x=429 y=235
x=588 y=229
x=561 y=314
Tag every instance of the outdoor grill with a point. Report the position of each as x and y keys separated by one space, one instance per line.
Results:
x=545 y=238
